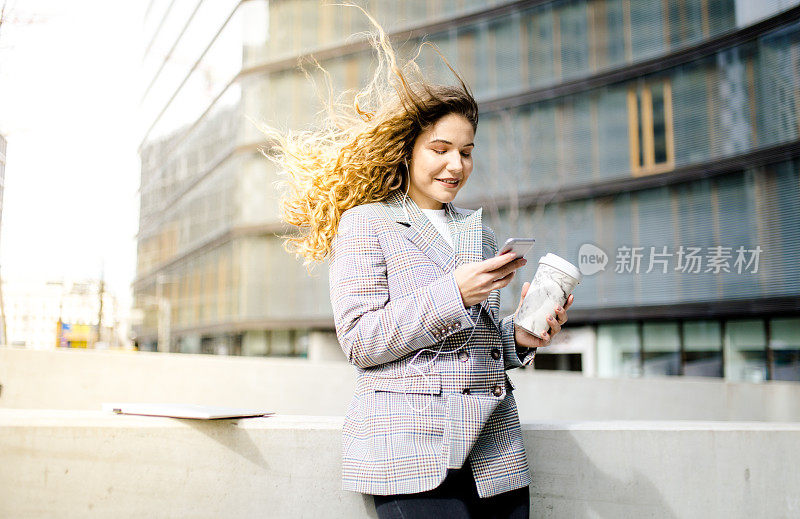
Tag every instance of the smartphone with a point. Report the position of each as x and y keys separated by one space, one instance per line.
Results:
x=517 y=246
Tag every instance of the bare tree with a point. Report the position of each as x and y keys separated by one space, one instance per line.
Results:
x=8 y=17
x=2 y=16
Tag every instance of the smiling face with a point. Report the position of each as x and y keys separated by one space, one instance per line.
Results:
x=441 y=161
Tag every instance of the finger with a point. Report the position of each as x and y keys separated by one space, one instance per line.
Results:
x=561 y=315
x=554 y=326
x=543 y=340
x=495 y=262
x=510 y=267
x=503 y=281
x=570 y=299
x=525 y=287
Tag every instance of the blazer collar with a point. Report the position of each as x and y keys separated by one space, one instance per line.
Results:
x=466 y=228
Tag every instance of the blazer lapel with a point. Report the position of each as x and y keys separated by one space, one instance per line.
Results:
x=419 y=230
x=466 y=228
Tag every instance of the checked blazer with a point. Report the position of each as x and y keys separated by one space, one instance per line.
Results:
x=431 y=390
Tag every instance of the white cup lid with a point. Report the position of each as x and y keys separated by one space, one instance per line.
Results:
x=561 y=264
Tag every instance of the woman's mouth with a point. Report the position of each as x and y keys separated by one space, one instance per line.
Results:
x=448 y=182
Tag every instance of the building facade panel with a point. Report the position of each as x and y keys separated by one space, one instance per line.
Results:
x=663 y=133
x=750 y=209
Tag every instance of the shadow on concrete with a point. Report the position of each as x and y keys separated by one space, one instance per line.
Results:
x=559 y=461
x=295 y=461
x=369 y=506
x=227 y=434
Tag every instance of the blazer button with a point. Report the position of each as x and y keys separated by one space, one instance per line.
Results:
x=463 y=356
x=497 y=391
x=465 y=391
x=495 y=354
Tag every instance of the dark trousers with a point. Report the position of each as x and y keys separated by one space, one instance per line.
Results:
x=456 y=498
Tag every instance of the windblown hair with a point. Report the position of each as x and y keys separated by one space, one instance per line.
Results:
x=359 y=152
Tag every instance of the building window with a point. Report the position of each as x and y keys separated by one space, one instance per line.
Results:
x=745 y=351
x=702 y=348
x=784 y=347
x=619 y=350
x=539 y=35
x=559 y=362
x=573 y=29
x=650 y=131
x=661 y=353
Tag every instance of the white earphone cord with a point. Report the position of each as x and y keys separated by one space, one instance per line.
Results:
x=408 y=186
x=439 y=351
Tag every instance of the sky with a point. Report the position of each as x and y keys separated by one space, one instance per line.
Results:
x=69 y=97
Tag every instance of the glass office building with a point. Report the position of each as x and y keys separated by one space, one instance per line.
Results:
x=653 y=142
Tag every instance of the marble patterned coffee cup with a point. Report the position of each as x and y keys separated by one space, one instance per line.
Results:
x=554 y=281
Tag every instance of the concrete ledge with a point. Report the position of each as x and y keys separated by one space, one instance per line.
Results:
x=73 y=379
x=76 y=379
x=92 y=464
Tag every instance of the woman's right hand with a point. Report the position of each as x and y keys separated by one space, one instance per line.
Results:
x=476 y=280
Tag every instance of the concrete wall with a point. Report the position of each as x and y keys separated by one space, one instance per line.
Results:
x=72 y=379
x=90 y=464
x=85 y=379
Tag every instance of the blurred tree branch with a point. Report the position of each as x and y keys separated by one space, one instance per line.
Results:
x=2 y=16
x=9 y=17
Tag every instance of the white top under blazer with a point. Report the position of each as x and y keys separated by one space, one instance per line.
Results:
x=439 y=219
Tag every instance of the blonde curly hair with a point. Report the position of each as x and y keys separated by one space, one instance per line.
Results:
x=359 y=153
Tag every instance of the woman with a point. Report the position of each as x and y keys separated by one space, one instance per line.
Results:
x=432 y=430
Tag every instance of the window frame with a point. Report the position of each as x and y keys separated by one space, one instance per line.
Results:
x=644 y=121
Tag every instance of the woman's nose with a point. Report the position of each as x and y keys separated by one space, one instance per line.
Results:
x=454 y=164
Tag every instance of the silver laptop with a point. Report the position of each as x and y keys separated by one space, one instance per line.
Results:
x=196 y=412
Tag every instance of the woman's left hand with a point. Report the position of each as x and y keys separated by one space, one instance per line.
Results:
x=525 y=339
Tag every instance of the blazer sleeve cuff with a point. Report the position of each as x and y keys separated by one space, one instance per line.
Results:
x=452 y=316
x=515 y=357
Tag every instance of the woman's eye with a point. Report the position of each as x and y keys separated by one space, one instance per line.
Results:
x=466 y=155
